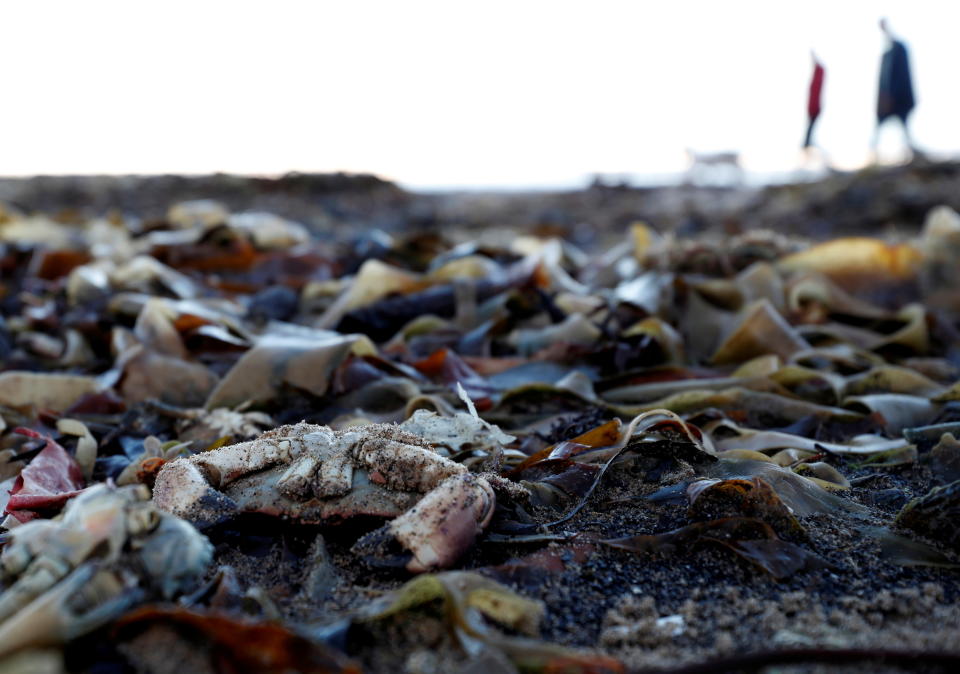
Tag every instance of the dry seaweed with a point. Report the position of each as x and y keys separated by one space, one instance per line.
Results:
x=751 y=539
x=769 y=396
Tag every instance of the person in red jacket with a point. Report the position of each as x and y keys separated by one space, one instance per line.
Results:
x=813 y=101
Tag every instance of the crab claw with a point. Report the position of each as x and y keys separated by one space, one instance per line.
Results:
x=83 y=601
x=435 y=532
x=183 y=490
x=190 y=487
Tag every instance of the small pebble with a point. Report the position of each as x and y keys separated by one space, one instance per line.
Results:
x=276 y=303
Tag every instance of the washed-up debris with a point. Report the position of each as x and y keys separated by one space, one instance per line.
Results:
x=493 y=626
x=945 y=459
x=338 y=412
x=47 y=482
x=715 y=499
x=304 y=361
x=150 y=635
x=44 y=390
x=752 y=539
x=144 y=467
x=317 y=474
x=935 y=515
x=110 y=551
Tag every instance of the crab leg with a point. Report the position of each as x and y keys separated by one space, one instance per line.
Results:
x=189 y=487
x=183 y=490
x=83 y=601
x=335 y=477
x=44 y=574
x=223 y=466
x=445 y=522
x=26 y=545
x=296 y=481
x=405 y=467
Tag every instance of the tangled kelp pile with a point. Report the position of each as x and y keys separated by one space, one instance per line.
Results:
x=231 y=446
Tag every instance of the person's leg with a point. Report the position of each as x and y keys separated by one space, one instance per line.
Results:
x=808 y=139
x=905 y=123
x=874 y=158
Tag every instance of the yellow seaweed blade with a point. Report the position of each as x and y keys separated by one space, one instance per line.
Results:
x=642 y=239
x=856 y=256
x=749 y=454
x=761 y=331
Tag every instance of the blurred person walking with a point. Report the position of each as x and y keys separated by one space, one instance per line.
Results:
x=895 y=91
x=813 y=101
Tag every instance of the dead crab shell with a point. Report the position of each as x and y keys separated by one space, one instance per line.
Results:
x=317 y=475
x=109 y=550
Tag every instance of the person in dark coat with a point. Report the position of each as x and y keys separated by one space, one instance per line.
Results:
x=813 y=100
x=895 y=93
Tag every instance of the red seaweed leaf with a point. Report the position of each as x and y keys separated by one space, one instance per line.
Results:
x=47 y=482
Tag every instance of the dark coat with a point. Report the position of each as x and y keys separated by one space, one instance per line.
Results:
x=816 y=89
x=895 y=95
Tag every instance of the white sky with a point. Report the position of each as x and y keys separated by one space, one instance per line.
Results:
x=450 y=93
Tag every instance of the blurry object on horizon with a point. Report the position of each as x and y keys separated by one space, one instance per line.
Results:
x=611 y=181
x=814 y=105
x=714 y=169
x=895 y=91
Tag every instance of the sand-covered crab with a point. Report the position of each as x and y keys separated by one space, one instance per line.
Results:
x=109 y=550
x=317 y=475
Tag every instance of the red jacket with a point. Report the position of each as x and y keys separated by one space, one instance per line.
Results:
x=816 y=86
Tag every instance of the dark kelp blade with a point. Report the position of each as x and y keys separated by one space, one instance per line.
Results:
x=241 y=646
x=749 y=538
